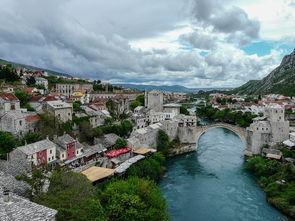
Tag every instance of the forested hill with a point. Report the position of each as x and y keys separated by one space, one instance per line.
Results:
x=280 y=81
x=4 y=62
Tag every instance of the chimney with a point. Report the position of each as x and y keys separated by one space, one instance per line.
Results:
x=47 y=137
x=6 y=196
x=54 y=137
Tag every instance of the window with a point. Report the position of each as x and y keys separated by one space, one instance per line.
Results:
x=77 y=151
x=20 y=123
x=68 y=154
x=50 y=151
x=12 y=107
x=63 y=155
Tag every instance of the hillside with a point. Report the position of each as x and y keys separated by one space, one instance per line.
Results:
x=3 y=62
x=280 y=81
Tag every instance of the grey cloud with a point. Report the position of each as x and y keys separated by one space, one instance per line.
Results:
x=49 y=35
x=199 y=40
x=228 y=20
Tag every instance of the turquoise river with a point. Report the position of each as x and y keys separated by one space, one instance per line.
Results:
x=213 y=184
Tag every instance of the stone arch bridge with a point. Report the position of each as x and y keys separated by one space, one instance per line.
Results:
x=241 y=132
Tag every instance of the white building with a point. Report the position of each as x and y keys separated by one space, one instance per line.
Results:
x=42 y=81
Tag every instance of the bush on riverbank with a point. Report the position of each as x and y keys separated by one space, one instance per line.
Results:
x=278 y=181
x=150 y=168
x=134 y=199
x=226 y=116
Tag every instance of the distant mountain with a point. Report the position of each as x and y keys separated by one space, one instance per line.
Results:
x=2 y=62
x=172 y=88
x=280 y=81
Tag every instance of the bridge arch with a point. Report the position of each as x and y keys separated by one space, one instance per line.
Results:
x=241 y=132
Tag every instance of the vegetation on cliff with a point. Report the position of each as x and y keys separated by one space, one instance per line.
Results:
x=278 y=181
x=226 y=116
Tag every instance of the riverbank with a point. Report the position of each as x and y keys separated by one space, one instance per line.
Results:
x=277 y=180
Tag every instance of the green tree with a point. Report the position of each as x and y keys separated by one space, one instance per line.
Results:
x=126 y=128
x=163 y=142
x=112 y=108
x=134 y=104
x=150 y=168
x=77 y=106
x=109 y=120
x=30 y=138
x=183 y=110
x=22 y=96
x=139 y=101
x=121 y=143
x=7 y=143
x=31 y=81
x=73 y=196
x=134 y=199
x=8 y=73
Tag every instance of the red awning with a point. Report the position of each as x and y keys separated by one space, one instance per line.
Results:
x=118 y=152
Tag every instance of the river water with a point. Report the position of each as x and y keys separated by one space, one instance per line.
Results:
x=212 y=183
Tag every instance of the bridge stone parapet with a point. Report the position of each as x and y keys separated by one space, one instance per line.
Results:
x=240 y=131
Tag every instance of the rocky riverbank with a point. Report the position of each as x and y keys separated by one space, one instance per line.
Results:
x=182 y=149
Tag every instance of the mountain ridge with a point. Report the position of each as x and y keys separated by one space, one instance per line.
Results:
x=281 y=80
x=171 y=88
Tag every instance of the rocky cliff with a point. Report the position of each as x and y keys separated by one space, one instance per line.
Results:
x=281 y=80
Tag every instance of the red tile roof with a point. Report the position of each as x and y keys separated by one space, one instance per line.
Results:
x=35 y=98
x=32 y=118
x=8 y=96
x=29 y=89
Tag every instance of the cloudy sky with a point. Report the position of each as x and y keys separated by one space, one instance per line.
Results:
x=194 y=43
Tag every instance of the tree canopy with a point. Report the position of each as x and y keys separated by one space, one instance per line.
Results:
x=8 y=73
x=134 y=199
x=7 y=143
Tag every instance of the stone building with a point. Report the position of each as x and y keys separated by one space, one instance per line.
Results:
x=270 y=129
x=98 y=117
x=14 y=207
x=154 y=100
x=62 y=110
x=39 y=153
x=172 y=108
x=183 y=128
x=8 y=102
x=68 y=89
